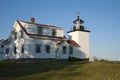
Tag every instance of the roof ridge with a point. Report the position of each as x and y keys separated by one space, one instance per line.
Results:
x=38 y=24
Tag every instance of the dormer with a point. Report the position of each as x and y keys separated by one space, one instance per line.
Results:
x=41 y=30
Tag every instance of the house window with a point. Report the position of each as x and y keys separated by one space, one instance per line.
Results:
x=70 y=50
x=7 y=50
x=40 y=30
x=37 y=48
x=22 y=49
x=15 y=50
x=15 y=35
x=53 y=32
x=64 y=49
x=47 y=48
x=2 y=46
x=21 y=33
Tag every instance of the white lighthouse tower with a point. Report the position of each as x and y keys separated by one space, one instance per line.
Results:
x=81 y=36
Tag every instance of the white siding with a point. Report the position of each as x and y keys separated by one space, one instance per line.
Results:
x=43 y=43
x=82 y=38
x=60 y=33
x=60 y=53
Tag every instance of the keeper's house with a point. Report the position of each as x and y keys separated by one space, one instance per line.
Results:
x=33 y=40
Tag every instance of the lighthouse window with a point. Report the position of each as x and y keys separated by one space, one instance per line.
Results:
x=78 y=22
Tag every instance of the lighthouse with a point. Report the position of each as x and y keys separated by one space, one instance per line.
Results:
x=81 y=36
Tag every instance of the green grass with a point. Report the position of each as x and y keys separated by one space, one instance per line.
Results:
x=59 y=71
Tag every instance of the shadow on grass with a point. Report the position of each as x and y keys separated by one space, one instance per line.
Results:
x=12 y=70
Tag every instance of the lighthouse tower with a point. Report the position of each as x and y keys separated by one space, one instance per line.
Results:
x=81 y=36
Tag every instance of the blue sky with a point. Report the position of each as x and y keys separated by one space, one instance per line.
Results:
x=102 y=17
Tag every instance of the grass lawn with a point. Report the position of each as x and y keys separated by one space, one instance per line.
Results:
x=59 y=71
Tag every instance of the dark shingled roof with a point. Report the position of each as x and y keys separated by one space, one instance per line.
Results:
x=70 y=42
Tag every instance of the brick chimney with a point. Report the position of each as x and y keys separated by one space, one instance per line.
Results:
x=32 y=20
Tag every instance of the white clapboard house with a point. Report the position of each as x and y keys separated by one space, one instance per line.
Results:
x=33 y=40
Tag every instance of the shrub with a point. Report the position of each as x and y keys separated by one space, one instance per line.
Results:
x=78 y=59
